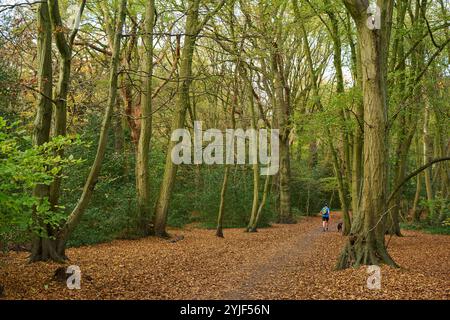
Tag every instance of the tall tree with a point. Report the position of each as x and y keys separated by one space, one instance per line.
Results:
x=41 y=248
x=65 y=46
x=143 y=148
x=282 y=114
x=54 y=248
x=342 y=179
x=366 y=244
x=193 y=27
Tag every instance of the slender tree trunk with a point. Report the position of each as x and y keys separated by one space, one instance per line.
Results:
x=42 y=247
x=343 y=181
x=340 y=89
x=223 y=192
x=427 y=156
x=182 y=105
x=254 y=226
x=119 y=134
x=143 y=148
x=62 y=88
x=415 y=211
x=283 y=117
x=255 y=167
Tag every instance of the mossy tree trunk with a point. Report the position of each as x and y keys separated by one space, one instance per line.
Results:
x=182 y=105
x=45 y=247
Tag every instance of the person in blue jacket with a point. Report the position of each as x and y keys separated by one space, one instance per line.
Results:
x=325 y=217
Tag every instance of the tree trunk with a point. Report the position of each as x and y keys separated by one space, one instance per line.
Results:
x=41 y=250
x=182 y=105
x=283 y=116
x=143 y=148
x=343 y=181
x=64 y=47
x=415 y=211
x=254 y=226
x=427 y=156
x=255 y=204
x=223 y=191
x=366 y=244
x=219 y=229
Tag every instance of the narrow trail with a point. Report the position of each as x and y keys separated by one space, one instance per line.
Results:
x=288 y=255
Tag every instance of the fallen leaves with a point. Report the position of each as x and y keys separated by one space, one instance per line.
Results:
x=282 y=262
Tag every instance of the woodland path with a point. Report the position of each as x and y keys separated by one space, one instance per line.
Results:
x=282 y=262
x=296 y=250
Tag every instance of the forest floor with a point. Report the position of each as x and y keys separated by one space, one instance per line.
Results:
x=282 y=262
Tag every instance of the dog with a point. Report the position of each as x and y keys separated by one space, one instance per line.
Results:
x=339 y=227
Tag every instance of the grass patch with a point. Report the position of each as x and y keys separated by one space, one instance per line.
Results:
x=425 y=227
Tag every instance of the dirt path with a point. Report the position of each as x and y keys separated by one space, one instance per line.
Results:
x=281 y=262
x=299 y=248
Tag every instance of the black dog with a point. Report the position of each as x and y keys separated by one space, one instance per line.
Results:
x=339 y=227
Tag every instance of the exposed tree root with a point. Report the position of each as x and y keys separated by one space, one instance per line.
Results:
x=359 y=251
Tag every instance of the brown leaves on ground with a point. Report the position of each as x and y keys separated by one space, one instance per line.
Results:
x=282 y=262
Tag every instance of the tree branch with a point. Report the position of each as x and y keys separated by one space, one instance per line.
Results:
x=415 y=173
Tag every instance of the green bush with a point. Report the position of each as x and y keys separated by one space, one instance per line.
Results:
x=22 y=168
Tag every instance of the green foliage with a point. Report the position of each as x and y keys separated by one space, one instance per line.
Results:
x=439 y=208
x=438 y=222
x=111 y=213
x=444 y=228
x=312 y=188
x=23 y=167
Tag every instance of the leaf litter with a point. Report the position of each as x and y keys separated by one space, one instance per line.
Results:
x=282 y=262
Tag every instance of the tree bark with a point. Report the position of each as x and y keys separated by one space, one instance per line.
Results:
x=254 y=225
x=64 y=47
x=219 y=229
x=182 y=105
x=255 y=204
x=42 y=248
x=143 y=148
x=283 y=117
x=366 y=244
x=427 y=155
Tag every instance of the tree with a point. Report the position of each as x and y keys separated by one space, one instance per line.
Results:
x=42 y=246
x=366 y=244
x=65 y=47
x=193 y=27
x=283 y=119
x=54 y=246
x=143 y=148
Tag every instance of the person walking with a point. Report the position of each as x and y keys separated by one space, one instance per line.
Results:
x=325 y=217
